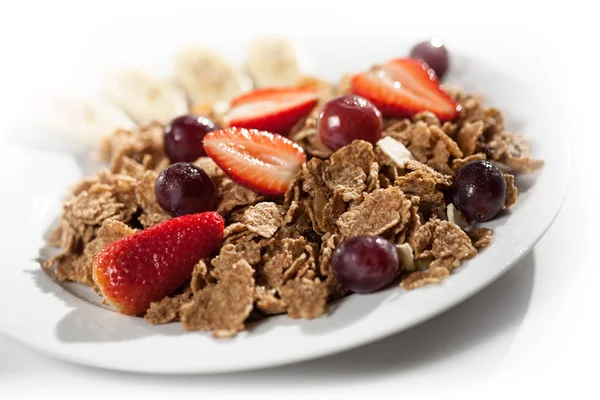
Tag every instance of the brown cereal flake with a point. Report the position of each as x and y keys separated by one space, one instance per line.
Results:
x=166 y=310
x=222 y=307
x=376 y=214
x=279 y=259
x=293 y=269
x=78 y=267
x=270 y=273
x=301 y=224
x=445 y=241
x=215 y=173
x=450 y=129
x=468 y=136
x=306 y=135
x=100 y=202
x=71 y=267
x=359 y=153
x=346 y=179
x=419 y=279
x=414 y=221
x=329 y=243
x=331 y=212
x=263 y=218
x=513 y=150
x=130 y=167
x=424 y=185
x=200 y=276
x=372 y=181
x=405 y=217
x=110 y=231
x=458 y=163
x=134 y=144
x=232 y=195
x=480 y=237
x=511 y=191
x=313 y=182
x=428 y=117
x=235 y=228
x=439 y=178
x=268 y=302
x=305 y=298
x=152 y=213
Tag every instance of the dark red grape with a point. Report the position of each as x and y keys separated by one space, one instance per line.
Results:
x=434 y=54
x=348 y=118
x=184 y=188
x=479 y=190
x=364 y=264
x=184 y=135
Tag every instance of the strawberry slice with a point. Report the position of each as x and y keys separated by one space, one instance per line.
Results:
x=151 y=264
x=262 y=161
x=273 y=110
x=404 y=87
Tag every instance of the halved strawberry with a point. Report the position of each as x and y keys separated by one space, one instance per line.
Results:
x=273 y=110
x=404 y=87
x=262 y=161
x=151 y=264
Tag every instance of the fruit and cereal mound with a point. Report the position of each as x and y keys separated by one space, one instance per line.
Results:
x=291 y=197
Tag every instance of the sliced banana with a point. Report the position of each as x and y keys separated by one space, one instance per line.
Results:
x=83 y=119
x=145 y=97
x=274 y=61
x=207 y=77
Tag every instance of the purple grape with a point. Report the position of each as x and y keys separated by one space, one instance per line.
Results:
x=348 y=118
x=364 y=264
x=184 y=135
x=434 y=54
x=479 y=190
x=184 y=188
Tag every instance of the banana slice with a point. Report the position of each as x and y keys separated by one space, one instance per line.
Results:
x=85 y=120
x=146 y=98
x=275 y=61
x=208 y=77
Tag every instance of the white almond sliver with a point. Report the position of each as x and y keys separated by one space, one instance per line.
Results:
x=395 y=150
x=144 y=97
x=405 y=254
x=454 y=215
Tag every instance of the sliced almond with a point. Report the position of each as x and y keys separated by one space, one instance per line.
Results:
x=395 y=151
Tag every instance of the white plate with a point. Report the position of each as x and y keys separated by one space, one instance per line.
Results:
x=64 y=321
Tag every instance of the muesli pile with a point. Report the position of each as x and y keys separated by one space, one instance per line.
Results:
x=291 y=198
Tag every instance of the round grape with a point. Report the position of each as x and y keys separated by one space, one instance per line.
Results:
x=364 y=264
x=434 y=53
x=479 y=190
x=184 y=188
x=183 y=137
x=348 y=118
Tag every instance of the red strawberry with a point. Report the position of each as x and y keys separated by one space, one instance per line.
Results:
x=404 y=87
x=149 y=265
x=262 y=161
x=273 y=110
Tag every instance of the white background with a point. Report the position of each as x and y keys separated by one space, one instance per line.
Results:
x=534 y=332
